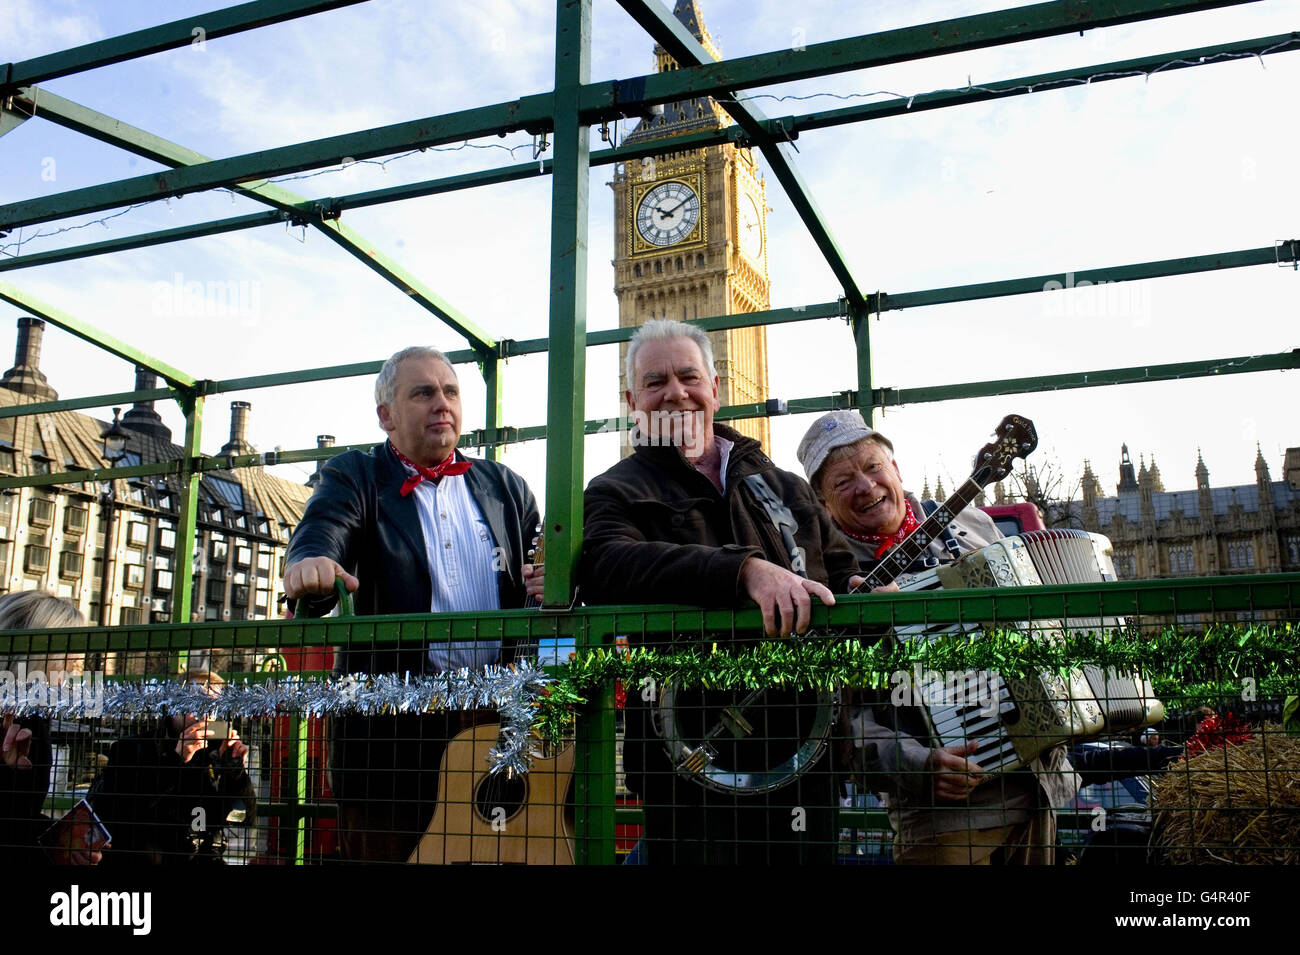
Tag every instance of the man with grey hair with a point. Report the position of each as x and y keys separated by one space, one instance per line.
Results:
x=682 y=520
x=411 y=526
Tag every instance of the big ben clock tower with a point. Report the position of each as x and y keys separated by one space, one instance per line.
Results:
x=691 y=237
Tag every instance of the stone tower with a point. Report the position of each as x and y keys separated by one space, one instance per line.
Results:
x=690 y=233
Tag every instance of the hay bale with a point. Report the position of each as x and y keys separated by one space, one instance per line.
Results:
x=1233 y=805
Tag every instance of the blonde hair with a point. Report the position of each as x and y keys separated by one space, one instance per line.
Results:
x=39 y=610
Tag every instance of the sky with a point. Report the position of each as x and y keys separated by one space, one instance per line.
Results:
x=1182 y=163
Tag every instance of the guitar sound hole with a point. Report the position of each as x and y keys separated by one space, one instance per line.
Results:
x=499 y=799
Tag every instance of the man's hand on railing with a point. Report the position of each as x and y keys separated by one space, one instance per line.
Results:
x=315 y=575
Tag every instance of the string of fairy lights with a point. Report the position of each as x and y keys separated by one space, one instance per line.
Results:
x=13 y=249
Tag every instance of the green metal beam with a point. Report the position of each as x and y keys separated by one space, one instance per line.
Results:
x=880 y=398
x=1288 y=252
x=793 y=125
x=531 y=112
x=493 y=421
x=1039 y=83
x=401 y=279
x=168 y=36
x=613 y=336
x=1282 y=361
x=142 y=143
x=506 y=348
x=1284 y=252
x=142 y=241
x=120 y=134
x=615 y=98
x=940 y=38
x=182 y=593
x=566 y=375
x=860 y=324
x=673 y=36
x=54 y=316
x=596 y=625
x=94 y=401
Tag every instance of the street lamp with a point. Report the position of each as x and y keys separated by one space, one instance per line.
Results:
x=114 y=437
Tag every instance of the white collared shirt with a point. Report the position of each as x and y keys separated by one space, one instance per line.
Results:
x=463 y=563
x=724 y=454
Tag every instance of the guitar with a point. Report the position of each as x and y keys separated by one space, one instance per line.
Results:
x=484 y=817
x=489 y=818
x=719 y=746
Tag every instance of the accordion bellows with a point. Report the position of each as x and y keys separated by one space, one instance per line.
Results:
x=1013 y=720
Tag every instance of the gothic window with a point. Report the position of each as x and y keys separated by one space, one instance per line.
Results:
x=699 y=261
x=659 y=267
x=1241 y=554
x=679 y=263
x=1293 y=550
x=1125 y=565
x=636 y=270
x=1182 y=559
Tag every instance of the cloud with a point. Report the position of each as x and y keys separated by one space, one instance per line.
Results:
x=35 y=27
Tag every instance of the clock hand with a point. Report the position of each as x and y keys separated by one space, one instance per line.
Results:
x=669 y=212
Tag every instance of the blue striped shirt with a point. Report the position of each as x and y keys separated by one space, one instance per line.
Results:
x=463 y=562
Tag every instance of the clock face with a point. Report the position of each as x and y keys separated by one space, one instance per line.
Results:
x=751 y=228
x=668 y=213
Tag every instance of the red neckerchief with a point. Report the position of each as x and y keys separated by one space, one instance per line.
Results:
x=450 y=466
x=885 y=541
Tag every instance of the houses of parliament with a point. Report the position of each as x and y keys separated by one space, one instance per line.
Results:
x=1205 y=531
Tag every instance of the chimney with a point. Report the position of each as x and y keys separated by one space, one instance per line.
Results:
x=141 y=416
x=322 y=441
x=238 y=443
x=26 y=376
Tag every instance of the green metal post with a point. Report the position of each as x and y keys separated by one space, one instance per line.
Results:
x=593 y=773
x=566 y=376
x=298 y=790
x=491 y=368
x=191 y=403
x=566 y=386
x=860 y=321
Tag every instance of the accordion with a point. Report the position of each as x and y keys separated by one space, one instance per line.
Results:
x=1013 y=720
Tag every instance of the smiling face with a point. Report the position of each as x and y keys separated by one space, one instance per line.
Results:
x=674 y=397
x=423 y=420
x=863 y=489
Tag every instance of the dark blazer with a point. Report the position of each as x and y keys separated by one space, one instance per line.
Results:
x=358 y=517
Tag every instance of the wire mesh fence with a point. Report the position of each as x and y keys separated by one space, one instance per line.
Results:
x=1150 y=722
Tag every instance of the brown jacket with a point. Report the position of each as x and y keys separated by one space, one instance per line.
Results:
x=658 y=531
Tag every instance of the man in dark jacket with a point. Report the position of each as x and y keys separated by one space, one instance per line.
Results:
x=411 y=527
x=678 y=522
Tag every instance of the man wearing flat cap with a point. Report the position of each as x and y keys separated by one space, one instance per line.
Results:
x=944 y=809
x=852 y=469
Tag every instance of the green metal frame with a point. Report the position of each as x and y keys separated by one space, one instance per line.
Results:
x=567 y=112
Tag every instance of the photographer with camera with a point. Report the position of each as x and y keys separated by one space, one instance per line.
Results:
x=169 y=796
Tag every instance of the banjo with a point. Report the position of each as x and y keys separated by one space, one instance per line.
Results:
x=747 y=743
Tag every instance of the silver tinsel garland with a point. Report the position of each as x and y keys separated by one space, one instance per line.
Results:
x=510 y=690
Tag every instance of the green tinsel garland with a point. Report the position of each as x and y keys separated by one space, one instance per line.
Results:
x=1187 y=665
